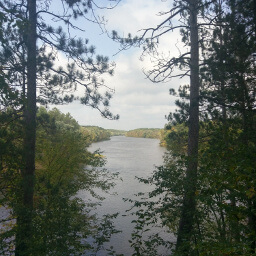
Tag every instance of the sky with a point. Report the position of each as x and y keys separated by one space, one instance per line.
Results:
x=139 y=102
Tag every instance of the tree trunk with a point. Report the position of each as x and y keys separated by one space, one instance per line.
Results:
x=25 y=213
x=185 y=231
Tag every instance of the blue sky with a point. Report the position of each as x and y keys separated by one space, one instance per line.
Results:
x=139 y=102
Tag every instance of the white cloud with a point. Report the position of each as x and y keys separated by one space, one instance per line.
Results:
x=139 y=102
x=135 y=15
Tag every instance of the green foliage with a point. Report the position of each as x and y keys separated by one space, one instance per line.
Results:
x=225 y=194
x=8 y=98
x=62 y=222
x=56 y=83
x=225 y=218
x=159 y=209
x=225 y=215
x=11 y=145
x=227 y=179
x=95 y=133
x=30 y=72
x=175 y=138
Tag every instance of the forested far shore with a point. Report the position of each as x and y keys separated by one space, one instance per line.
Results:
x=165 y=135
x=95 y=133
x=153 y=133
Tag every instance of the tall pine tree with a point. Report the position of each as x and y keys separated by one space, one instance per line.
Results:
x=28 y=50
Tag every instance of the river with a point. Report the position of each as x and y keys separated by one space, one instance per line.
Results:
x=130 y=157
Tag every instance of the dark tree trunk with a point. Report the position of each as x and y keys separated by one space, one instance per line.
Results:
x=25 y=212
x=185 y=232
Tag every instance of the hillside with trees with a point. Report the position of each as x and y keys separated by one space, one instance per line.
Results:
x=64 y=166
x=95 y=133
x=153 y=133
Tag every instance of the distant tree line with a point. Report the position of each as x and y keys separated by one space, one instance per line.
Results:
x=114 y=132
x=153 y=133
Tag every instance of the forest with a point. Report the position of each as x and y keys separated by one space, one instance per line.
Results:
x=145 y=133
x=204 y=193
x=95 y=133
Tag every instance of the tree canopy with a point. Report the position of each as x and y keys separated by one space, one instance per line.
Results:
x=34 y=36
x=203 y=193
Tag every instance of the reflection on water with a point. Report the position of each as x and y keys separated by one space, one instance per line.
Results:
x=130 y=157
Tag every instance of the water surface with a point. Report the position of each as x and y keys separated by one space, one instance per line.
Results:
x=130 y=157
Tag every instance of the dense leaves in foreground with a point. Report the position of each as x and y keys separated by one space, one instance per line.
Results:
x=62 y=222
x=225 y=195
x=224 y=221
x=42 y=60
